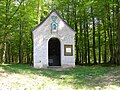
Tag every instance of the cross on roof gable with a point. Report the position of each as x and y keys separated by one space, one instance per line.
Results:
x=58 y=16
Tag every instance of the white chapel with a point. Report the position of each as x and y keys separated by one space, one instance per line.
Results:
x=53 y=43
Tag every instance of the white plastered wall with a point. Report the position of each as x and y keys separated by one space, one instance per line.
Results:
x=43 y=34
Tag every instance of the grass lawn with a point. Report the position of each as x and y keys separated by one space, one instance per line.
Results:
x=24 y=77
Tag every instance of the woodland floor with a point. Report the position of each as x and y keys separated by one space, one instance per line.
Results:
x=24 y=77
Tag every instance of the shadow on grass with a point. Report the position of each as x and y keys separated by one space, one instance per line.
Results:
x=79 y=77
x=25 y=69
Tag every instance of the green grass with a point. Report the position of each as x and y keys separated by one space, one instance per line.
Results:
x=24 y=77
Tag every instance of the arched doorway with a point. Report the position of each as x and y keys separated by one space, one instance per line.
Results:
x=54 y=52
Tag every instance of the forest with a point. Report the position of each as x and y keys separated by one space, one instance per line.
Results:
x=97 y=23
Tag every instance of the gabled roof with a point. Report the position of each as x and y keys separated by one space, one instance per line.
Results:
x=58 y=16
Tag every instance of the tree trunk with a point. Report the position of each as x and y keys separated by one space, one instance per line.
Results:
x=21 y=44
x=118 y=30
x=76 y=28
x=80 y=41
x=38 y=12
x=105 y=46
x=85 y=44
x=99 y=44
x=94 y=46
x=88 y=44
x=5 y=32
x=109 y=30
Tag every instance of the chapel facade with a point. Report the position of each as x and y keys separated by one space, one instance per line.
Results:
x=53 y=43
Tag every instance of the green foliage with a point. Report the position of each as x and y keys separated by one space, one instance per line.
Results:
x=17 y=19
x=87 y=17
